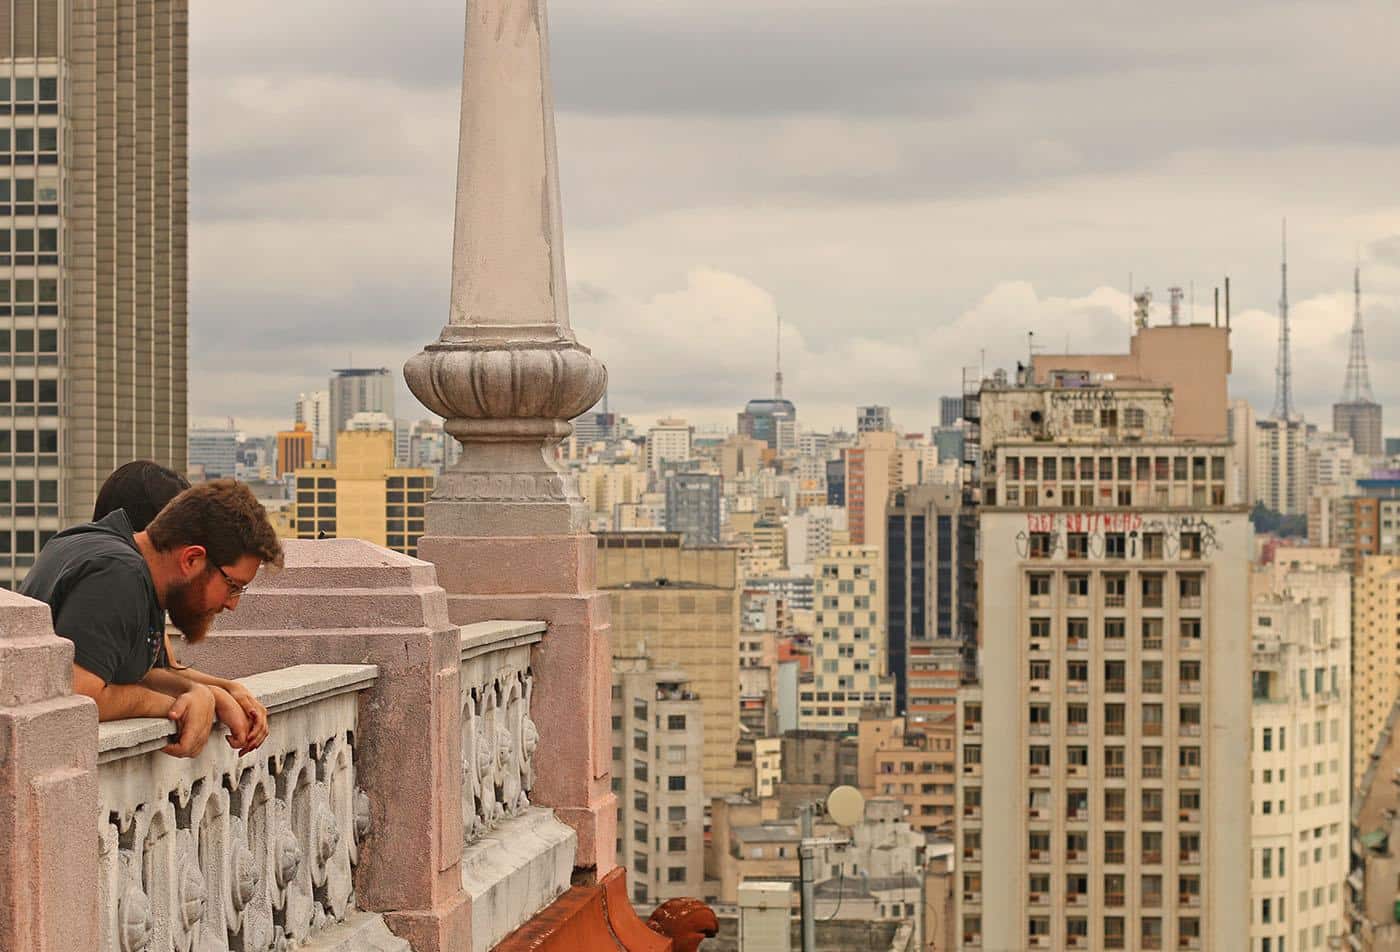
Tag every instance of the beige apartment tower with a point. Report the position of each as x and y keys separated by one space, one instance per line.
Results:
x=1103 y=796
x=678 y=606
x=93 y=262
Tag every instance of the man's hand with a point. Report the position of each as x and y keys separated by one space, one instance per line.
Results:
x=255 y=713
x=229 y=710
x=194 y=712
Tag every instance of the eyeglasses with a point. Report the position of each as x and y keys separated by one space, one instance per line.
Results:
x=234 y=588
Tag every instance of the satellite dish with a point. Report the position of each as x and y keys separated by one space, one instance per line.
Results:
x=845 y=806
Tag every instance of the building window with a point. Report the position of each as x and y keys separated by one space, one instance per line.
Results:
x=675 y=783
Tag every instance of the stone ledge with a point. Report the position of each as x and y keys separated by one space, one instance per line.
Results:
x=279 y=690
x=483 y=637
x=514 y=871
x=360 y=932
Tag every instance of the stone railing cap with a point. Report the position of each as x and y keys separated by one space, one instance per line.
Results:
x=278 y=690
x=486 y=636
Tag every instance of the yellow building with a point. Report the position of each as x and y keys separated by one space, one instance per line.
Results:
x=1375 y=678
x=362 y=495
x=848 y=665
x=296 y=449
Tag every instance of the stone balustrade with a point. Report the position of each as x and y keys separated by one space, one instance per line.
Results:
x=223 y=852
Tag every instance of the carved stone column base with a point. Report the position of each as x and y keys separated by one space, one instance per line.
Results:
x=550 y=579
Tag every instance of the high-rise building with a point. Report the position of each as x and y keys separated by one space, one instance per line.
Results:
x=950 y=411
x=657 y=744
x=876 y=466
x=93 y=316
x=314 y=409
x=1300 y=749
x=1375 y=669
x=849 y=659
x=1368 y=522
x=914 y=764
x=1281 y=464
x=811 y=533
x=362 y=494
x=296 y=449
x=930 y=596
x=1104 y=760
x=355 y=391
x=693 y=504
x=874 y=419
x=772 y=421
x=213 y=451
x=668 y=442
x=679 y=607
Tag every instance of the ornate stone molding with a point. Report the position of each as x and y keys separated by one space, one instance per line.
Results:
x=498 y=738
x=223 y=853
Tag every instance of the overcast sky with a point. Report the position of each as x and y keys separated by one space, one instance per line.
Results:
x=911 y=184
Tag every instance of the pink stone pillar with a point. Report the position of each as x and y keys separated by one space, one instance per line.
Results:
x=506 y=527
x=48 y=789
x=347 y=601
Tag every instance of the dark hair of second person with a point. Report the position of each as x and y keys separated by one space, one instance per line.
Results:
x=142 y=488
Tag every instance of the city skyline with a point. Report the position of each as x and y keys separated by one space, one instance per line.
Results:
x=901 y=196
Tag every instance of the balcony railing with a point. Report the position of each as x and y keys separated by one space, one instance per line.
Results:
x=193 y=852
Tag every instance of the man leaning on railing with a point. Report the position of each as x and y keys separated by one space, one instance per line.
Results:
x=109 y=588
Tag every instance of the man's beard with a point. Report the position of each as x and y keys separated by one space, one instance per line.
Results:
x=184 y=612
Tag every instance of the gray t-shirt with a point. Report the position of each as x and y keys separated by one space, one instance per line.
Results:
x=99 y=588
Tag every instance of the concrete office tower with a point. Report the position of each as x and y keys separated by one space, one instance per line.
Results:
x=950 y=410
x=679 y=607
x=668 y=442
x=212 y=451
x=874 y=419
x=930 y=597
x=1244 y=442
x=1367 y=523
x=93 y=318
x=1299 y=756
x=657 y=749
x=358 y=391
x=1332 y=462
x=848 y=664
x=1375 y=654
x=771 y=421
x=810 y=534
x=1281 y=465
x=363 y=495
x=693 y=503
x=314 y=409
x=1104 y=792
x=876 y=466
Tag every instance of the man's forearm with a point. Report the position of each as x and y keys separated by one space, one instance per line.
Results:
x=201 y=677
x=117 y=701
x=167 y=682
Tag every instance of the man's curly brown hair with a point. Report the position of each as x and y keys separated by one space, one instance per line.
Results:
x=222 y=515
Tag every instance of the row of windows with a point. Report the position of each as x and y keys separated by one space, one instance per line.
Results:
x=23 y=89
x=1114 y=934
x=1115 y=629
x=24 y=541
x=26 y=191
x=24 y=140
x=28 y=290
x=1152 y=585
x=28 y=441
x=1115 y=674
x=25 y=341
x=29 y=391
x=1122 y=468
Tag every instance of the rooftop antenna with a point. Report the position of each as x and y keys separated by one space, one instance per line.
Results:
x=778 y=374
x=1142 y=305
x=1283 y=384
x=1357 y=388
x=1175 y=294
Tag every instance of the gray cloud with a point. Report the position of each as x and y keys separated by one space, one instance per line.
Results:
x=880 y=170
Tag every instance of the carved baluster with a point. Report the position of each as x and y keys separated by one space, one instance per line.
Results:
x=253 y=878
x=336 y=885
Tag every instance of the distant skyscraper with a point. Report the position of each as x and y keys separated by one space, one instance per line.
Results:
x=950 y=410
x=93 y=319
x=214 y=450
x=314 y=409
x=296 y=448
x=873 y=419
x=1358 y=414
x=668 y=442
x=357 y=391
x=693 y=507
x=1283 y=372
x=951 y=442
x=773 y=421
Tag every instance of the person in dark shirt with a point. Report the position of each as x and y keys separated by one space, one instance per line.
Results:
x=142 y=488
x=109 y=588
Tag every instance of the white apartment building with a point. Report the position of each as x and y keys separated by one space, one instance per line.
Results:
x=810 y=534
x=1104 y=793
x=668 y=442
x=658 y=740
x=1300 y=749
x=314 y=409
x=1332 y=462
x=1281 y=465
x=848 y=662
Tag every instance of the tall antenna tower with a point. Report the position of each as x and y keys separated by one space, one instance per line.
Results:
x=778 y=374
x=1283 y=383
x=1358 y=383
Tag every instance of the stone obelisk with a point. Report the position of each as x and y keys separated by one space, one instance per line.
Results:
x=506 y=526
